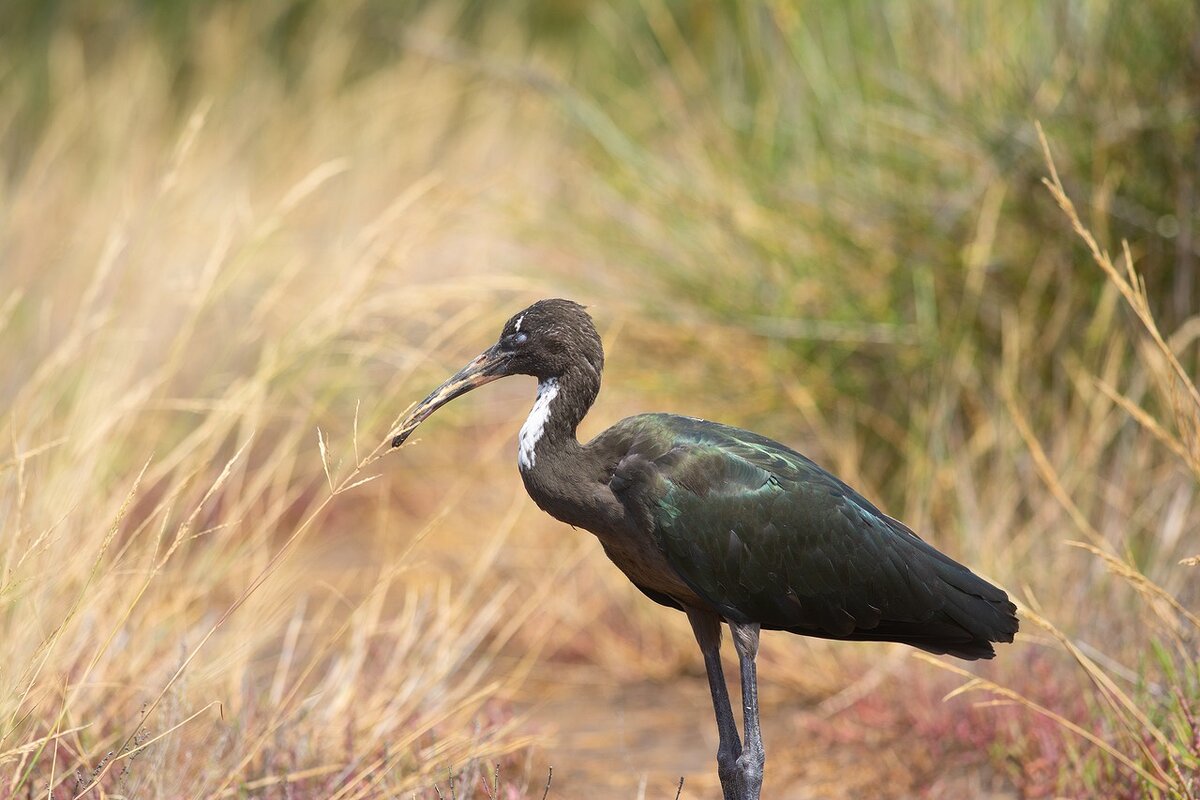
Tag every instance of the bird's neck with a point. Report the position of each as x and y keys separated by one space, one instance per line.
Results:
x=561 y=404
x=563 y=477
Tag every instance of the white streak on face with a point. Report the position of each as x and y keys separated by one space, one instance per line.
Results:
x=535 y=424
x=517 y=325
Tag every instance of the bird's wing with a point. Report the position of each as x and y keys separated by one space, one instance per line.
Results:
x=765 y=535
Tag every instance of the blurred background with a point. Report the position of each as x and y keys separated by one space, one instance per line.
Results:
x=237 y=240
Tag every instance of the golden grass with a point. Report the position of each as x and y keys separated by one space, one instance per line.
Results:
x=205 y=588
x=1172 y=769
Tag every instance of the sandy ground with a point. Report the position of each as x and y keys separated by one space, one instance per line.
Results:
x=635 y=740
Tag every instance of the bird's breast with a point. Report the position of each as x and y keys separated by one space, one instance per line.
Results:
x=628 y=542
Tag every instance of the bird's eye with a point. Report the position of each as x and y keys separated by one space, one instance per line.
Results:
x=520 y=338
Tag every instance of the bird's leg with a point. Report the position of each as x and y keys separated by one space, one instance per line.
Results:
x=750 y=762
x=707 y=627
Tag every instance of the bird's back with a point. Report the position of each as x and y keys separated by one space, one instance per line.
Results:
x=763 y=534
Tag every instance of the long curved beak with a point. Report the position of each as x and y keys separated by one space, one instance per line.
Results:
x=484 y=368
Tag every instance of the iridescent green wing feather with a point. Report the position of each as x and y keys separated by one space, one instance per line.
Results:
x=765 y=535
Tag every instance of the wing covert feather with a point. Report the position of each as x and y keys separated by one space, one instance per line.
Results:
x=765 y=535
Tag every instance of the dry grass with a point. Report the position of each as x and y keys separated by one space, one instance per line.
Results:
x=208 y=331
x=213 y=585
x=1154 y=739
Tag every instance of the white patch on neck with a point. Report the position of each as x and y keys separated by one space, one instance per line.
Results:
x=517 y=324
x=535 y=424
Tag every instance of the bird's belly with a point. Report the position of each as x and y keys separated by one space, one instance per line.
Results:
x=644 y=564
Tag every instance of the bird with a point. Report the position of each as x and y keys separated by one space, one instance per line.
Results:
x=724 y=525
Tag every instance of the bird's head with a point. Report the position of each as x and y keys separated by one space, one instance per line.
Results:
x=549 y=339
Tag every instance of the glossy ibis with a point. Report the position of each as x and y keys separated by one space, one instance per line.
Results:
x=724 y=525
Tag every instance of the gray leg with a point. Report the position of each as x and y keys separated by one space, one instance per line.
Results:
x=750 y=762
x=707 y=627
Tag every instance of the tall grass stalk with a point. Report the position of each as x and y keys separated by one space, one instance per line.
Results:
x=208 y=330
x=1154 y=735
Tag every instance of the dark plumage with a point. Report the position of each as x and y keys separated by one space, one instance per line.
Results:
x=725 y=524
x=764 y=535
